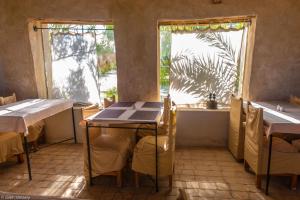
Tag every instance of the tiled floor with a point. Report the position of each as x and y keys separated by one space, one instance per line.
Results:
x=205 y=173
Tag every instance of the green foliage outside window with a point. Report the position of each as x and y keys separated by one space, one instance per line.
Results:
x=111 y=92
x=165 y=61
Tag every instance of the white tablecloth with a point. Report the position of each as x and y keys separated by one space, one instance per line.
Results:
x=18 y=116
x=286 y=121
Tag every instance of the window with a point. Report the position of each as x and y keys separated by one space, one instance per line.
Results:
x=199 y=59
x=80 y=61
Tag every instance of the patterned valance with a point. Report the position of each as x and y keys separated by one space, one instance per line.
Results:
x=204 y=27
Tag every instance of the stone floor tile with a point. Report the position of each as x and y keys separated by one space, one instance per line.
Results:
x=205 y=173
x=240 y=195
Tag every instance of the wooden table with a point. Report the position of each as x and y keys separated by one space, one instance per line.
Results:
x=284 y=122
x=18 y=116
x=127 y=115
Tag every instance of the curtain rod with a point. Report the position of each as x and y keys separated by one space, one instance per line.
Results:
x=35 y=28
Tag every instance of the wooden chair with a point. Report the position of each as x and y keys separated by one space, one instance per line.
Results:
x=285 y=157
x=295 y=100
x=236 y=137
x=11 y=145
x=8 y=99
x=144 y=153
x=34 y=133
x=109 y=151
x=89 y=110
x=109 y=102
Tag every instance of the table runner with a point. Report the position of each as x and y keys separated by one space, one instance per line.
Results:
x=286 y=121
x=19 y=115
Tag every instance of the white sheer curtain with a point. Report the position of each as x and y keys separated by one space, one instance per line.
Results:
x=206 y=61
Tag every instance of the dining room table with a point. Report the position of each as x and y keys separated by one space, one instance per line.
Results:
x=18 y=116
x=127 y=115
x=279 y=117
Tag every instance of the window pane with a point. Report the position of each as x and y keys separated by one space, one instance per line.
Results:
x=83 y=62
x=203 y=62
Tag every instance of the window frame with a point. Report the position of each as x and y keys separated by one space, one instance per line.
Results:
x=245 y=94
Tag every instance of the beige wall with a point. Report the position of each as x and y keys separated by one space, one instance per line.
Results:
x=202 y=128
x=276 y=62
x=59 y=127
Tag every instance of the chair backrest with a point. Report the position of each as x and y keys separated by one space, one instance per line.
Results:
x=108 y=102
x=94 y=132
x=171 y=131
x=236 y=113
x=166 y=111
x=254 y=137
x=8 y=99
x=236 y=137
x=90 y=110
x=172 y=128
x=295 y=100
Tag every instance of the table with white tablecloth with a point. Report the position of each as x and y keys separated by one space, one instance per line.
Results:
x=284 y=121
x=126 y=115
x=18 y=116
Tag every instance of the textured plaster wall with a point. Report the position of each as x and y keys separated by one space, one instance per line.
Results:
x=276 y=58
x=202 y=127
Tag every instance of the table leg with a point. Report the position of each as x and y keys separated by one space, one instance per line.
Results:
x=156 y=160
x=89 y=154
x=74 y=128
x=27 y=157
x=269 y=165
